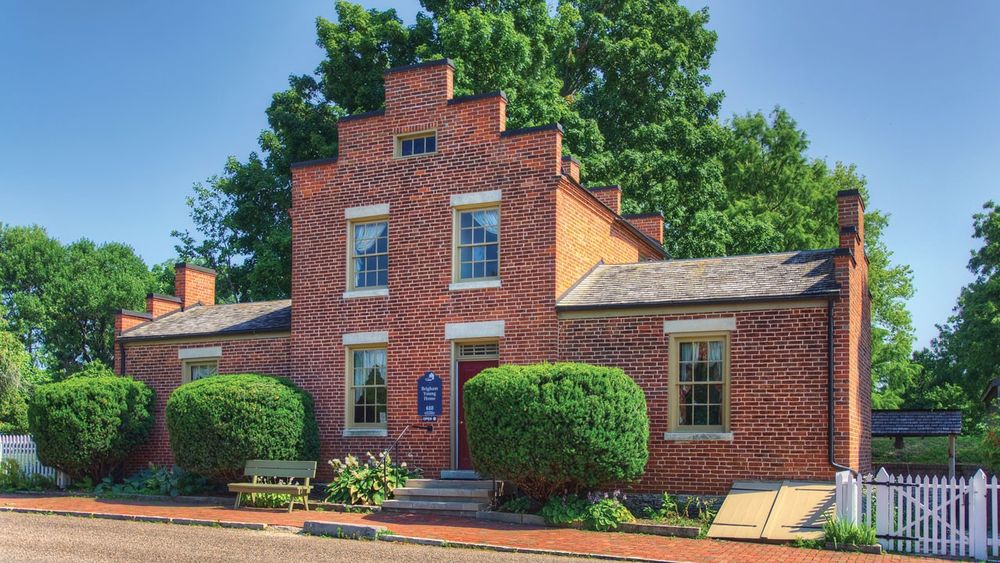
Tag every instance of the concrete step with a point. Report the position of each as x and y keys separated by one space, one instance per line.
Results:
x=459 y=474
x=441 y=507
x=442 y=494
x=449 y=484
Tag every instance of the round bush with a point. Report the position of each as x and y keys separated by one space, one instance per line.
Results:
x=86 y=426
x=217 y=423
x=556 y=428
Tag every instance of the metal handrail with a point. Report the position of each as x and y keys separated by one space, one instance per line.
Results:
x=387 y=451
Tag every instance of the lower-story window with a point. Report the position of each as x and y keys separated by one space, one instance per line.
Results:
x=200 y=369
x=366 y=395
x=699 y=378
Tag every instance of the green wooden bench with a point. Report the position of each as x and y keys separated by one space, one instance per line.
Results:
x=288 y=470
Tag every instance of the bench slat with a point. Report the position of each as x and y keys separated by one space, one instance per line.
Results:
x=279 y=468
x=267 y=488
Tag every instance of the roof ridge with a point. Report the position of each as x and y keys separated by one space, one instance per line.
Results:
x=731 y=256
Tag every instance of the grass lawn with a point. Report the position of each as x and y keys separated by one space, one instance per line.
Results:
x=927 y=450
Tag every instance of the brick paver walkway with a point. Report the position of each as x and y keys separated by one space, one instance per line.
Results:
x=455 y=529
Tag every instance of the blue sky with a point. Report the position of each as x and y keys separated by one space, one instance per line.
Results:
x=110 y=111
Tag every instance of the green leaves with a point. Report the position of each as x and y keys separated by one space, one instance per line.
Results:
x=86 y=426
x=60 y=299
x=965 y=356
x=551 y=428
x=217 y=423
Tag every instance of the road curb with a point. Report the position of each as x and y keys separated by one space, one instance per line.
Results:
x=511 y=549
x=341 y=530
x=139 y=518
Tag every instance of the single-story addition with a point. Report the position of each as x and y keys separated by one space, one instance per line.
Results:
x=438 y=240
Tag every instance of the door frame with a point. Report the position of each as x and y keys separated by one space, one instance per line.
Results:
x=453 y=389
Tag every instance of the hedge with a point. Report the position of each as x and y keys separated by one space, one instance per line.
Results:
x=556 y=428
x=217 y=423
x=86 y=426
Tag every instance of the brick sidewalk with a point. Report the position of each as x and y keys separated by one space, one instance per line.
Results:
x=464 y=530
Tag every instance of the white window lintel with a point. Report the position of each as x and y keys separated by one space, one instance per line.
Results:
x=199 y=353
x=723 y=324
x=486 y=329
x=366 y=211
x=361 y=338
x=476 y=198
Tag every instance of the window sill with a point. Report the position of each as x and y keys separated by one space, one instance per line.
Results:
x=481 y=284
x=365 y=433
x=358 y=293
x=698 y=436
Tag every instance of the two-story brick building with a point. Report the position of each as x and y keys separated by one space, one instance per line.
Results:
x=438 y=240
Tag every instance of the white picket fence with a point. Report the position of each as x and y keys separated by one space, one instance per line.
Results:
x=925 y=515
x=22 y=449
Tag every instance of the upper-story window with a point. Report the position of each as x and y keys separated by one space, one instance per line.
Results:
x=370 y=254
x=478 y=244
x=416 y=144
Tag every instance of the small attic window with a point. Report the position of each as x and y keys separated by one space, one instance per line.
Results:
x=416 y=144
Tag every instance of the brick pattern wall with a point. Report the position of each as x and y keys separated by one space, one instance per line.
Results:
x=778 y=404
x=586 y=234
x=472 y=156
x=158 y=366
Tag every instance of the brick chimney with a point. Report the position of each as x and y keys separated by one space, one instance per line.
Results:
x=194 y=284
x=125 y=320
x=421 y=84
x=651 y=224
x=851 y=310
x=851 y=220
x=611 y=196
x=158 y=305
x=571 y=168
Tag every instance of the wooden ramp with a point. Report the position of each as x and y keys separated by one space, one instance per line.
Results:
x=774 y=511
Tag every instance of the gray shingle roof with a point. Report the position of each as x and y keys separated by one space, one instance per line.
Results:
x=782 y=275
x=916 y=423
x=238 y=318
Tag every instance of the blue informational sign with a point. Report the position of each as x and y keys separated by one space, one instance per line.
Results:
x=429 y=396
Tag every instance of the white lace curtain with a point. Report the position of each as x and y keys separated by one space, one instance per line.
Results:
x=489 y=219
x=365 y=236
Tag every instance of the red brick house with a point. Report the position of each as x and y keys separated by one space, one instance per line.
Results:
x=438 y=240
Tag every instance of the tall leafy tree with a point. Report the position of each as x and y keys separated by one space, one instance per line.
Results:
x=60 y=299
x=29 y=259
x=965 y=356
x=627 y=79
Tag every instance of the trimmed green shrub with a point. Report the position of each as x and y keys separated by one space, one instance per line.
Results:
x=86 y=426
x=557 y=428
x=217 y=423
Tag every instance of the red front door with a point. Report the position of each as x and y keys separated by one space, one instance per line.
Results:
x=467 y=369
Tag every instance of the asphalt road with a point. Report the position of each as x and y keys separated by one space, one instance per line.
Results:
x=32 y=537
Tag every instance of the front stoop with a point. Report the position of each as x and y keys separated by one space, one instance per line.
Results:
x=458 y=497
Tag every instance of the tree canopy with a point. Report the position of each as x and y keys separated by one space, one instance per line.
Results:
x=965 y=356
x=60 y=299
x=629 y=82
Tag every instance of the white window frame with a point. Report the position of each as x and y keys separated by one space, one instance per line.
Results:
x=360 y=216
x=458 y=283
x=189 y=365
x=676 y=430
x=352 y=428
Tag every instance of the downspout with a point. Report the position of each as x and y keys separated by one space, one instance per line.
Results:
x=830 y=400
